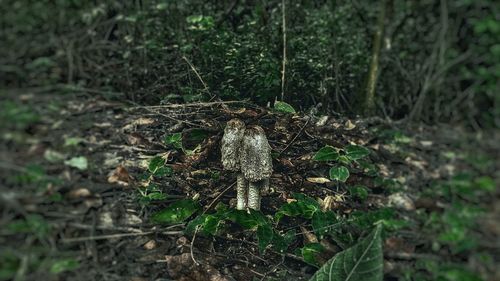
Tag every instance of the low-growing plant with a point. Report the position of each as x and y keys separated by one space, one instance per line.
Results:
x=347 y=156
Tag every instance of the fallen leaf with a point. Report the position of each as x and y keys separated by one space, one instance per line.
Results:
x=309 y=236
x=183 y=268
x=150 y=245
x=349 y=125
x=79 y=193
x=53 y=156
x=120 y=176
x=318 y=180
x=80 y=163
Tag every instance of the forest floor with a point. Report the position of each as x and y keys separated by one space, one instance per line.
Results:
x=83 y=180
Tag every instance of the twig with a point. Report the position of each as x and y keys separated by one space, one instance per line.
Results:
x=119 y=235
x=284 y=51
x=217 y=198
x=296 y=136
x=199 y=77
x=194 y=104
x=192 y=245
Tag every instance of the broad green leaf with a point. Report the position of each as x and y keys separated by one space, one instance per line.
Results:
x=310 y=251
x=174 y=140
x=323 y=222
x=282 y=242
x=156 y=163
x=206 y=222
x=363 y=261
x=359 y=192
x=247 y=220
x=340 y=173
x=64 y=265
x=327 y=153
x=176 y=212
x=344 y=159
x=264 y=236
x=80 y=163
x=283 y=107
x=356 y=152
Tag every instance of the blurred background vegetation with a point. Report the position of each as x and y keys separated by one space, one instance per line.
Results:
x=436 y=60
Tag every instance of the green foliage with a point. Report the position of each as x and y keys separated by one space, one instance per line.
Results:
x=346 y=156
x=151 y=193
x=454 y=227
x=176 y=212
x=9 y=265
x=253 y=220
x=359 y=192
x=310 y=251
x=340 y=173
x=356 y=152
x=64 y=265
x=174 y=140
x=283 y=107
x=363 y=261
x=327 y=153
x=303 y=206
x=32 y=224
x=157 y=167
x=16 y=116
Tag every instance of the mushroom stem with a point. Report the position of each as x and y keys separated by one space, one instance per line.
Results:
x=254 y=194
x=241 y=192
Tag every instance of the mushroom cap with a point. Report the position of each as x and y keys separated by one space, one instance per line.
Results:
x=255 y=155
x=231 y=143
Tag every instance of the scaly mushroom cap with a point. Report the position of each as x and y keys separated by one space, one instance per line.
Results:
x=231 y=143
x=255 y=155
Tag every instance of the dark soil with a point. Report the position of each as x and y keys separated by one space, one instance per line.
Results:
x=100 y=221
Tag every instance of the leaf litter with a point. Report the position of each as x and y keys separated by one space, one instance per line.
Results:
x=98 y=206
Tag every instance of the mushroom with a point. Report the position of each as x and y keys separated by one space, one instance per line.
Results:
x=255 y=163
x=231 y=144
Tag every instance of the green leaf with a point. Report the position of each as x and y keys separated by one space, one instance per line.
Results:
x=174 y=140
x=165 y=171
x=80 y=163
x=176 y=212
x=327 y=153
x=310 y=251
x=197 y=135
x=157 y=196
x=356 y=152
x=73 y=141
x=304 y=207
x=156 y=163
x=323 y=222
x=283 y=107
x=359 y=192
x=282 y=242
x=363 y=261
x=264 y=236
x=340 y=173
x=485 y=183
x=64 y=265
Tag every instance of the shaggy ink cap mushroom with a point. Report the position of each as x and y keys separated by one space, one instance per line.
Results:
x=231 y=143
x=255 y=155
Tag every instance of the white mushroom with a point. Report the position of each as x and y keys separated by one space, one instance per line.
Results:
x=255 y=163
